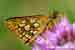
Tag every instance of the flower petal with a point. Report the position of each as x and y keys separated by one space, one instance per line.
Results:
x=40 y=40
x=73 y=28
x=36 y=47
x=73 y=31
x=63 y=26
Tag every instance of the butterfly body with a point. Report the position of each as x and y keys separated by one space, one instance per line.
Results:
x=54 y=19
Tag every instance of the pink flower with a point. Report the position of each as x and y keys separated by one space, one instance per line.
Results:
x=62 y=38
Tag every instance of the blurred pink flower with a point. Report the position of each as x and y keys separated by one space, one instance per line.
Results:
x=62 y=38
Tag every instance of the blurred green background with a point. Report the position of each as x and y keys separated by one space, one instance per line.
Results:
x=9 y=8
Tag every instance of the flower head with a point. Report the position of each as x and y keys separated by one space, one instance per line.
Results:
x=62 y=38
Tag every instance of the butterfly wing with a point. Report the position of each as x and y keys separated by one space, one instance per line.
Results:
x=27 y=28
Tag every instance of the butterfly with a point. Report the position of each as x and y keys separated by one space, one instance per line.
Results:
x=28 y=28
